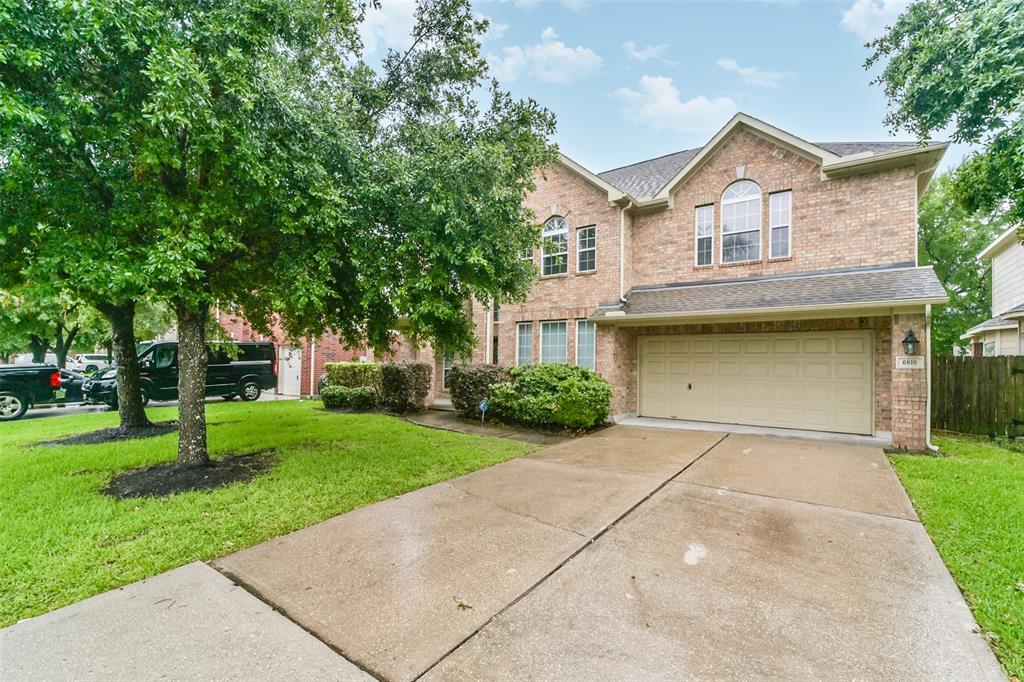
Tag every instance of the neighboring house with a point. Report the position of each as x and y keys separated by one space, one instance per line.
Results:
x=1001 y=335
x=760 y=279
x=300 y=363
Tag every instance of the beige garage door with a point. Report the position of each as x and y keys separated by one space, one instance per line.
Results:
x=808 y=380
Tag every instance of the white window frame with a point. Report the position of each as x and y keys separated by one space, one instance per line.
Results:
x=580 y=250
x=565 y=352
x=697 y=236
x=593 y=326
x=788 y=224
x=721 y=219
x=519 y=349
x=555 y=226
x=988 y=346
x=447 y=363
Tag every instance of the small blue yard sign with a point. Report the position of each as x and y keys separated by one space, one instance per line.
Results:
x=483 y=409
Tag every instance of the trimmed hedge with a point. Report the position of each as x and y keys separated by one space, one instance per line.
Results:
x=469 y=384
x=356 y=398
x=354 y=375
x=404 y=385
x=553 y=395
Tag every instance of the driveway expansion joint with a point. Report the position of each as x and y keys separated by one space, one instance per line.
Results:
x=513 y=511
x=243 y=585
x=569 y=558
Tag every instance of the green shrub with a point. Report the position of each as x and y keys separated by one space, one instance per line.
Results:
x=356 y=398
x=354 y=375
x=469 y=384
x=553 y=395
x=404 y=385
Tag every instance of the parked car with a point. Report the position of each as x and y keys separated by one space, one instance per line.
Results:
x=26 y=359
x=241 y=368
x=22 y=386
x=72 y=382
x=89 y=363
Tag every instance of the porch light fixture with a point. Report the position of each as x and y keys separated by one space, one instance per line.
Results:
x=910 y=343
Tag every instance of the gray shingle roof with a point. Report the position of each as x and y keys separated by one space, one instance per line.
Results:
x=1015 y=311
x=994 y=322
x=644 y=179
x=812 y=290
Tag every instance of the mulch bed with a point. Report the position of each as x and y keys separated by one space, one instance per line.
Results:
x=168 y=479
x=114 y=434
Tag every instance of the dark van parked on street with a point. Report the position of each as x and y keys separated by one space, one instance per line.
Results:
x=239 y=368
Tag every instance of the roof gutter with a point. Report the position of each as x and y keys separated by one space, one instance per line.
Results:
x=616 y=316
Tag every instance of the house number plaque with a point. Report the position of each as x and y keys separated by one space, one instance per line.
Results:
x=909 y=362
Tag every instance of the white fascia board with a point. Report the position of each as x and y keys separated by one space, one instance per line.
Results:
x=614 y=193
x=998 y=243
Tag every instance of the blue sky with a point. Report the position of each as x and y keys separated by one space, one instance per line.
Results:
x=633 y=80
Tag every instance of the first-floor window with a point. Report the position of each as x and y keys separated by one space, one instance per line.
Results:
x=990 y=349
x=554 y=341
x=586 y=344
x=446 y=370
x=524 y=343
x=494 y=350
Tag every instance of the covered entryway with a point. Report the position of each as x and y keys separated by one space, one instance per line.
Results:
x=820 y=381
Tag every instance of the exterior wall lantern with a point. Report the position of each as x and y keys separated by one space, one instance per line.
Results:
x=910 y=343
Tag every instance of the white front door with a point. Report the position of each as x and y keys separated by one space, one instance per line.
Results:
x=821 y=381
x=289 y=371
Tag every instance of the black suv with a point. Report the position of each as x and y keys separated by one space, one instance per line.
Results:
x=241 y=368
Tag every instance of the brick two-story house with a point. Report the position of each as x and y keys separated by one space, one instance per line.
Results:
x=760 y=279
x=1003 y=333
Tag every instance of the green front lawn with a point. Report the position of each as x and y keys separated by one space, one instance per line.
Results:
x=63 y=541
x=972 y=504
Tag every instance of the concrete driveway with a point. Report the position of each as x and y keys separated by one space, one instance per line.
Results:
x=630 y=554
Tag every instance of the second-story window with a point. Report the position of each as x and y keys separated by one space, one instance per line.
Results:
x=704 y=228
x=586 y=249
x=555 y=247
x=741 y=222
x=780 y=210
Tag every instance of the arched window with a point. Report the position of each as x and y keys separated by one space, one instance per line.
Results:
x=741 y=222
x=555 y=247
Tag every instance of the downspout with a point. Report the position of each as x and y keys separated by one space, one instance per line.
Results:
x=312 y=366
x=622 y=250
x=488 y=332
x=928 y=378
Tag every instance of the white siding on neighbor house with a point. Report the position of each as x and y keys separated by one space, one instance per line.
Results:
x=1006 y=341
x=1008 y=279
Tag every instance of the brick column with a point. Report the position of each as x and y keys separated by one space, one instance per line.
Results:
x=909 y=387
x=616 y=362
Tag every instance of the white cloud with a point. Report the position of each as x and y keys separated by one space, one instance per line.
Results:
x=657 y=103
x=867 y=19
x=388 y=27
x=550 y=60
x=752 y=75
x=643 y=54
x=495 y=29
x=574 y=5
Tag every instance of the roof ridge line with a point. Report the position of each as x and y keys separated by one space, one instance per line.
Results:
x=655 y=158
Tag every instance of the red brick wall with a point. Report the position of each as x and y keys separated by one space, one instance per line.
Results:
x=909 y=387
x=858 y=221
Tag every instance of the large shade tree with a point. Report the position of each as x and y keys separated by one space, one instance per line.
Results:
x=260 y=161
x=46 y=319
x=949 y=239
x=959 y=65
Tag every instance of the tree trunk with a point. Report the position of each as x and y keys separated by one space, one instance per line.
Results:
x=39 y=347
x=63 y=345
x=129 y=391
x=192 y=360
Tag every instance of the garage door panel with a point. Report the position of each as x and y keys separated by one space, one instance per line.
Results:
x=820 y=380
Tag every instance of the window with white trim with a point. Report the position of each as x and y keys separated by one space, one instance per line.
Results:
x=555 y=247
x=524 y=343
x=446 y=370
x=704 y=229
x=586 y=344
x=989 y=349
x=780 y=212
x=741 y=222
x=586 y=249
x=554 y=341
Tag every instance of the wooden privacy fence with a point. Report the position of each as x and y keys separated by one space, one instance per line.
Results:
x=983 y=396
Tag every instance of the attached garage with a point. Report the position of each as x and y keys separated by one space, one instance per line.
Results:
x=821 y=381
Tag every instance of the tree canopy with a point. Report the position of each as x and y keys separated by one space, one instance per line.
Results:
x=959 y=65
x=43 y=319
x=949 y=239
x=242 y=151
